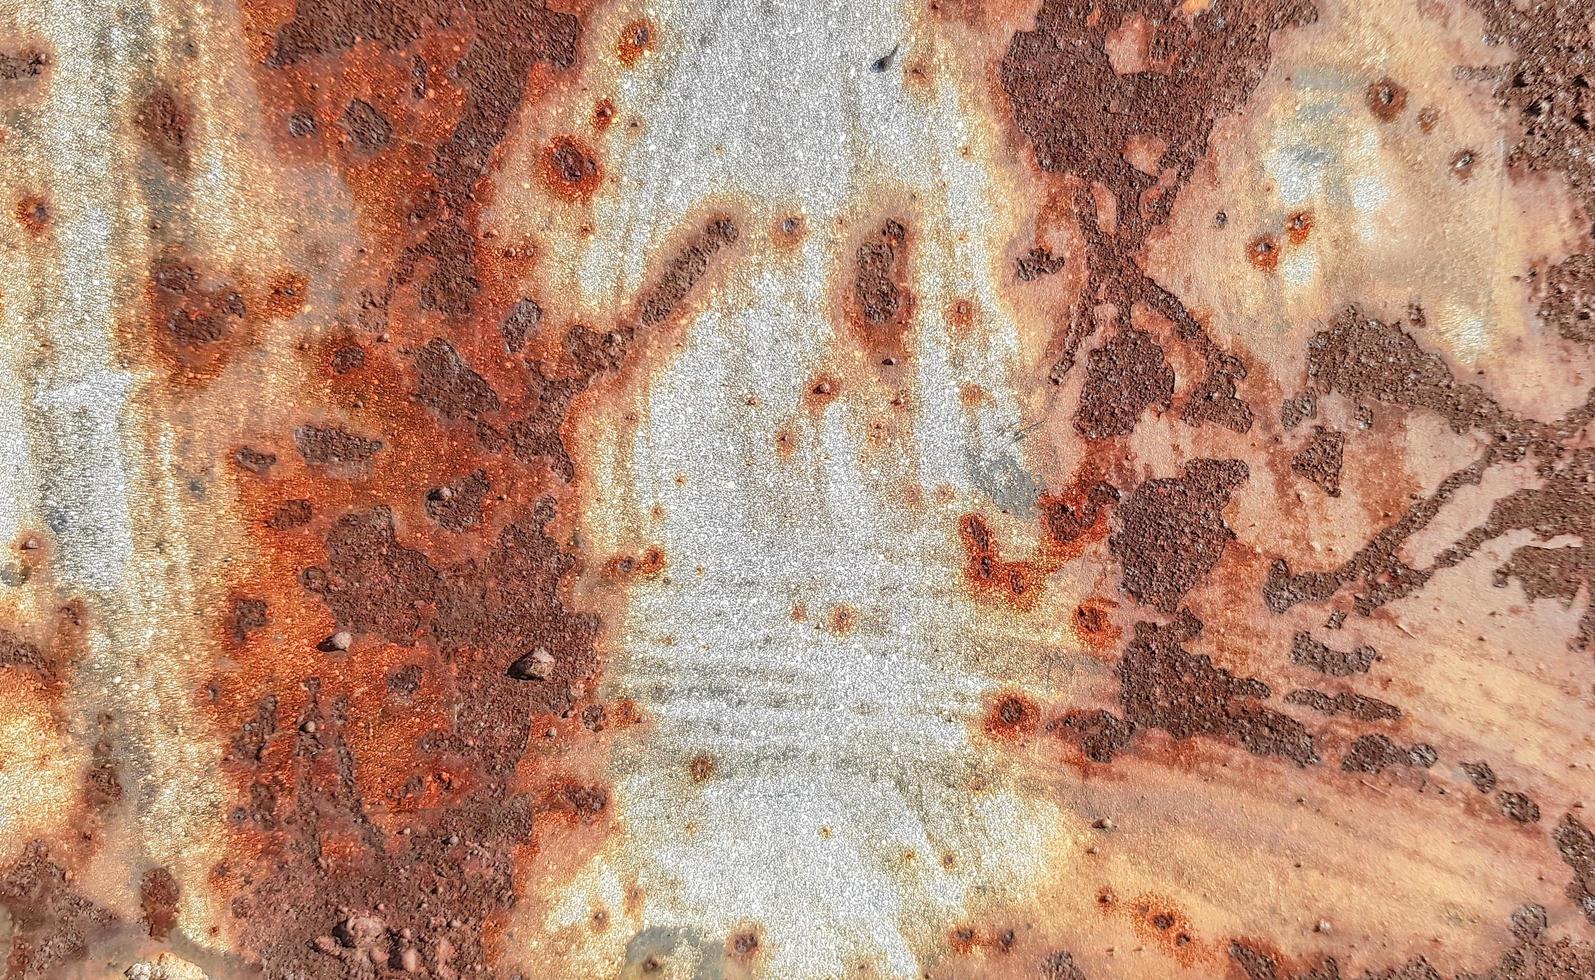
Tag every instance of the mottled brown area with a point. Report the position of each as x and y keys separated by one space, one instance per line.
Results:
x=289 y=515
x=157 y=898
x=1035 y=264
x=1321 y=657
x=1376 y=753
x=505 y=40
x=191 y=314
x=1078 y=111
x=53 y=927
x=332 y=446
x=1124 y=377
x=458 y=506
x=1358 y=707
x=1171 y=532
x=1576 y=845
x=1164 y=686
x=18 y=652
x=366 y=127
x=664 y=297
x=1518 y=806
x=22 y=66
x=1320 y=460
x=245 y=616
x=254 y=460
x=1480 y=775
x=520 y=324
x=447 y=385
x=164 y=121
x=373 y=584
x=880 y=303
x=570 y=170
x=1101 y=735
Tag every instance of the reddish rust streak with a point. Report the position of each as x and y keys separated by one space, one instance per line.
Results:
x=1015 y=584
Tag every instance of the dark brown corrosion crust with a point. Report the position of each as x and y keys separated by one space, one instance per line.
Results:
x=1079 y=112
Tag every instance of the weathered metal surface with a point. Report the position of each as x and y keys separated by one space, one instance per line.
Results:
x=935 y=489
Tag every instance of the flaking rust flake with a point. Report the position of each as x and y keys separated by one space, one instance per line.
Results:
x=951 y=488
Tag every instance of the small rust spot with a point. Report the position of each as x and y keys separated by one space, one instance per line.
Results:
x=569 y=169
x=603 y=114
x=821 y=392
x=1462 y=164
x=743 y=945
x=843 y=619
x=1011 y=717
x=1298 y=226
x=636 y=39
x=33 y=214
x=1386 y=99
x=1263 y=252
x=701 y=769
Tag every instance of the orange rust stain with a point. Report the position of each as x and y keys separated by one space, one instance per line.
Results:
x=1015 y=584
x=603 y=114
x=1298 y=226
x=1263 y=252
x=788 y=231
x=972 y=395
x=569 y=169
x=1158 y=921
x=636 y=39
x=1093 y=622
x=1011 y=717
x=785 y=443
x=33 y=214
x=821 y=392
x=286 y=295
x=701 y=769
x=646 y=565
x=800 y=612
x=961 y=314
x=843 y=619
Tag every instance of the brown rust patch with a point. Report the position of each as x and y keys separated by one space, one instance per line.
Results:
x=1014 y=584
x=1386 y=99
x=1171 y=532
x=879 y=303
x=1011 y=717
x=1298 y=227
x=1124 y=377
x=569 y=169
x=33 y=214
x=636 y=39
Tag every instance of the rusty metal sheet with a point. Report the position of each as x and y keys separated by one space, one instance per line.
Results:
x=581 y=489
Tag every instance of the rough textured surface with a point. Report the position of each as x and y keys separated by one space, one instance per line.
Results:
x=941 y=489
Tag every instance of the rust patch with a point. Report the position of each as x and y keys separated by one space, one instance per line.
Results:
x=33 y=214
x=1014 y=584
x=636 y=39
x=569 y=169
x=1011 y=717
x=1386 y=99
x=1171 y=532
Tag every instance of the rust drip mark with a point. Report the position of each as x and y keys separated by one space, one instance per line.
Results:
x=636 y=39
x=1011 y=717
x=1014 y=584
x=569 y=169
x=880 y=305
x=1263 y=252
x=1386 y=99
x=33 y=214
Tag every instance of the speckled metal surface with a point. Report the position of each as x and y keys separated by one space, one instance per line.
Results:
x=573 y=488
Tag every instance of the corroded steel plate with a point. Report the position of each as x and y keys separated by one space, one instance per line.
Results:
x=955 y=488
